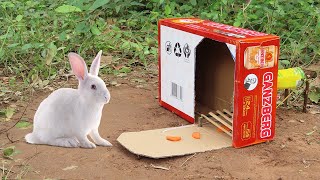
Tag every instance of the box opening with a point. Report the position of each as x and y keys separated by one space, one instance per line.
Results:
x=214 y=81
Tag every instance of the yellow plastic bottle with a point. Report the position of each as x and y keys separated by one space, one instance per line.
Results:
x=290 y=78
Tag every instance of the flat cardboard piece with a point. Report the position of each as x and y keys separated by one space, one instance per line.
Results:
x=153 y=143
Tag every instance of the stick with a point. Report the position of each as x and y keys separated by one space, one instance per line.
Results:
x=6 y=169
x=217 y=125
x=305 y=93
x=220 y=120
x=200 y=121
x=8 y=173
x=25 y=163
x=229 y=113
x=224 y=116
x=160 y=167
x=285 y=99
x=286 y=94
x=188 y=159
x=12 y=141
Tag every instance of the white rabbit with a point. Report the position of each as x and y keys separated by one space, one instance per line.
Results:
x=67 y=116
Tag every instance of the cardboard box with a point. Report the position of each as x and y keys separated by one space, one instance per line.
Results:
x=207 y=66
x=224 y=75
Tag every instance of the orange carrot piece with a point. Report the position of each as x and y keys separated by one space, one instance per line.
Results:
x=196 y=135
x=173 y=138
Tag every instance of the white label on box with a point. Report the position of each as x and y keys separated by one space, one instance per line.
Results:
x=178 y=68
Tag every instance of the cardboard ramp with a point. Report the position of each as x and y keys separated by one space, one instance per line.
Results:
x=153 y=143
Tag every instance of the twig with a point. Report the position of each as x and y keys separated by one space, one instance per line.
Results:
x=12 y=141
x=284 y=99
x=286 y=93
x=188 y=159
x=160 y=167
x=305 y=99
x=26 y=163
x=24 y=111
x=248 y=3
x=317 y=160
x=31 y=157
x=6 y=169
x=8 y=173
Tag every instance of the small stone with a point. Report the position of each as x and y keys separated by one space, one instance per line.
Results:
x=290 y=139
x=302 y=121
x=113 y=83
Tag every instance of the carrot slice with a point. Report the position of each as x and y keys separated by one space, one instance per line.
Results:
x=173 y=138
x=196 y=135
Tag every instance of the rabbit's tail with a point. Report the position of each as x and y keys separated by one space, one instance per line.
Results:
x=30 y=138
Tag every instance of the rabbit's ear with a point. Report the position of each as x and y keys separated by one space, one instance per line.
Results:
x=78 y=66
x=94 y=69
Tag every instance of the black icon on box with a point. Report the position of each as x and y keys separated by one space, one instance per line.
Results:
x=168 y=47
x=177 y=50
x=186 y=50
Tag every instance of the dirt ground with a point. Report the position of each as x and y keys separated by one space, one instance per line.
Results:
x=292 y=155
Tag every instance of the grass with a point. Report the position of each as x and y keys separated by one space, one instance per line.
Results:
x=35 y=36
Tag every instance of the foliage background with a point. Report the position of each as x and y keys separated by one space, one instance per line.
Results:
x=35 y=36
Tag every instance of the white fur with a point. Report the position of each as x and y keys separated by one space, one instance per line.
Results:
x=67 y=116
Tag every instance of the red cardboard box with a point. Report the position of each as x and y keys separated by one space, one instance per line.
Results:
x=207 y=67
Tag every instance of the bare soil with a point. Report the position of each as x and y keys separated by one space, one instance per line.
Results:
x=294 y=154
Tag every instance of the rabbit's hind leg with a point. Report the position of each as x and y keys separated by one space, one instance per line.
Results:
x=64 y=142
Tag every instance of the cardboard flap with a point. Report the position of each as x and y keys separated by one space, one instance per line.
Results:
x=153 y=143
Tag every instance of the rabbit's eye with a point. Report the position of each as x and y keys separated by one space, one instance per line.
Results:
x=94 y=87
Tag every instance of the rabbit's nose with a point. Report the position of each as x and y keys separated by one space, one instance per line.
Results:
x=107 y=97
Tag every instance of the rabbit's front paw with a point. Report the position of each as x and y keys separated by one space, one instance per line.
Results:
x=72 y=142
x=87 y=144
x=104 y=142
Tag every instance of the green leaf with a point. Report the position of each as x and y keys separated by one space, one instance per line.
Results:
x=97 y=4
x=45 y=82
x=285 y=62
x=26 y=47
x=51 y=52
x=134 y=3
x=95 y=30
x=67 y=9
x=8 y=151
x=118 y=9
x=125 y=45
x=167 y=10
x=23 y=125
x=9 y=112
x=224 y=2
x=193 y=2
x=13 y=45
x=314 y=96
x=82 y=27
x=19 y=18
x=125 y=70
x=237 y=23
x=63 y=36
x=1 y=53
